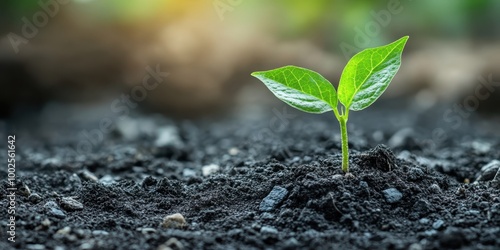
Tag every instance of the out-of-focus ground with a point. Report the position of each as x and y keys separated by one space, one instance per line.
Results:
x=204 y=51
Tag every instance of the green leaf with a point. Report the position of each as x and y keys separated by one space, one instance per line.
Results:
x=368 y=74
x=300 y=88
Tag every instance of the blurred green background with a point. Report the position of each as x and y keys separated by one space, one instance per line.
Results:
x=333 y=20
x=90 y=47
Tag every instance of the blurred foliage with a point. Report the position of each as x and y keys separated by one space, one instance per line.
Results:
x=330 y=21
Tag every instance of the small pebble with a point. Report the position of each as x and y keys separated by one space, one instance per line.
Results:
x=34 y=198
x=349 y=176
x=174 y=221
x=392 y=195
x=337 y=177
x=424 y=221
x=147 y=230
x=210 y=169
x=24 y=190
x=70 y=204
x=107 y=180
x=87 y=175
x=273 y=199
x=75 y=180
x=64 y=231
x=99 y=233
x=438 y=224
x=430 y=233
x=489 y=171
x=415 y=174
x=57 y=213
x=291 y=243
x=35 y=247
x=268 y=230
x=53 y=209
x=46 y=223
x=81 y=233
x=87 y=246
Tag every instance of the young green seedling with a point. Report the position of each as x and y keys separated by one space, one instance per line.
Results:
x=365 y=77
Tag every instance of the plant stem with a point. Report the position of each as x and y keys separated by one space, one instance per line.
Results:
x=345 y=143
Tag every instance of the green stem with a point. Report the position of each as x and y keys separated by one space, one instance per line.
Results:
x=345 y=143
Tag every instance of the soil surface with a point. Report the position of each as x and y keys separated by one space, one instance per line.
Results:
x=270 y=180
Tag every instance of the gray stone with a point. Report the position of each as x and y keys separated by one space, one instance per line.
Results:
x=174 y=221
x=99 y=233
x=87 y=245
x=147 y=230
x=268 y=230
x=430 y=233
x=415 y=174
x=490 y=172
x=35 y=247
x=34 y=198
x=75 y=181
x=291 y=243
x=438 y=224
x=70 y=204
x=392 y=195
x=424 y=221
x=89 y=176
x=273 y=199
x=210 y=169
x=107 y=180
x=56 y=213
x=53 y=209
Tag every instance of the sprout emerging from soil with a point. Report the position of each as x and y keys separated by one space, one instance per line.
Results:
x=365 y=77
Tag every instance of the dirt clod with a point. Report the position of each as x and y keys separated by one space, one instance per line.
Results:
x=380 y=157
x=392 y=195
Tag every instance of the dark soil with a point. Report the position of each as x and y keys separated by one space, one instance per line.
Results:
x=278 y=186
